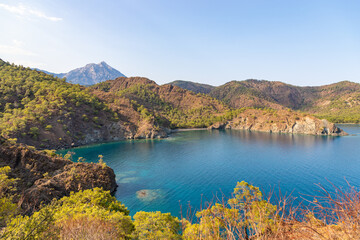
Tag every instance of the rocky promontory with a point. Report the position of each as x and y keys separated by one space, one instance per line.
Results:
x=43 y=176
x=280 y=121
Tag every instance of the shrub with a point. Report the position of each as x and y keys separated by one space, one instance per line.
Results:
x=156 y=225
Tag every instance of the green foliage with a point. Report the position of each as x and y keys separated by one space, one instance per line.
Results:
x=246 y=214
x=51 y=153
x=34 y=132
x=69 y=155
x=6 y=183
x=85 y=118
x=101 y=161
x=81 y=159
x=38 y=226
x=7 y=208
x=156 y=225
x=90 y=204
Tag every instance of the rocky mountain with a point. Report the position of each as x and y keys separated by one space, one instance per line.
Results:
x=193 y=86
x=90 y=74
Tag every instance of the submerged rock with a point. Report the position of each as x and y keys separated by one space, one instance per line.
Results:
x=149 y=194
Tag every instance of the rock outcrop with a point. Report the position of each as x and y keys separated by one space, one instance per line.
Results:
x=42 y=177
x=280 y=121
x=149 y=131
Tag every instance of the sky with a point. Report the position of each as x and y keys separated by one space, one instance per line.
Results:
x=306 y=43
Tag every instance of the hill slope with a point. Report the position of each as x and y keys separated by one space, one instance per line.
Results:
x=167 y=104
x=193 y=86
x=90 y=74
x=339 y=102
x=46 y=112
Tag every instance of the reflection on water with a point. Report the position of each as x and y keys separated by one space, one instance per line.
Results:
x=157 y=174
x=286 y=140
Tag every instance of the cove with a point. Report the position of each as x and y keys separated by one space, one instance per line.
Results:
x=193 y=166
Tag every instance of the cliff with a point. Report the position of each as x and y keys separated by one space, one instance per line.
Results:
x=42 y=177
x=280 y=121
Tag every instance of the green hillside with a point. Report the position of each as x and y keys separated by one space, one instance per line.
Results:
x=193 y=86
x=37 y=107
x=338 y=102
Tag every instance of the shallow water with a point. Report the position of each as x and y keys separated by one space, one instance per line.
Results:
x=194 y=166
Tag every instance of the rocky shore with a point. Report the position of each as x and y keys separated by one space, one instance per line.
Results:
x=42 y=177
x=280 y=121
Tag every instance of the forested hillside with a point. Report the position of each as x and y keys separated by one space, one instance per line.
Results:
x=44 y=111
x=167 y=104
x=47 y=112
x=339 y=102
x=193 y=86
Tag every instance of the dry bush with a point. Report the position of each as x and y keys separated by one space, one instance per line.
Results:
x=88 y=228
x=332 y=215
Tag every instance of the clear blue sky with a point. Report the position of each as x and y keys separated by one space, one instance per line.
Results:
x=307 y=42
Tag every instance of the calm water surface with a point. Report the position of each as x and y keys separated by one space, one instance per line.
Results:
x=194 y=165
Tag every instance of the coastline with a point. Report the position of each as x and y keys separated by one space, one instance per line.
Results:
x=191 y=129
x=187 y=129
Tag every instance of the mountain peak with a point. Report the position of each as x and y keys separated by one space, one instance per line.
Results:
x=90 y=74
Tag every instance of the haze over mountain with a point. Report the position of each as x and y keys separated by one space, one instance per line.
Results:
x=90 y=74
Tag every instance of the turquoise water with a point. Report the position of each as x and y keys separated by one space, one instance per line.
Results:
x=194 y=166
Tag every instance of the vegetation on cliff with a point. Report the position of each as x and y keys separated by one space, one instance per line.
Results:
x=42 y=175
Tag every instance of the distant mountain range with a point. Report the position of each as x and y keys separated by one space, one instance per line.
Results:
x=89 y=75
x=338 y=102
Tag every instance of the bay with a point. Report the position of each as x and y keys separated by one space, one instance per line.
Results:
x=193 y=167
